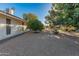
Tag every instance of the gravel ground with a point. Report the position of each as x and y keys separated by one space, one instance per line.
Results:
x=40 y=44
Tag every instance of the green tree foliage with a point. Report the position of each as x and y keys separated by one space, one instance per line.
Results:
x=32 y=22
x=29 y=16
x=64 y=14
x=35 y=25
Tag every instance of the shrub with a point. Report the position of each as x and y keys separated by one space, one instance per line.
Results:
x=35 y=25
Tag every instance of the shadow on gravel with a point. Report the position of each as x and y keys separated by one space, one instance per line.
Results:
x=9 y=38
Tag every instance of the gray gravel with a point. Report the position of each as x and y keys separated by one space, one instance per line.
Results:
x=40 y=44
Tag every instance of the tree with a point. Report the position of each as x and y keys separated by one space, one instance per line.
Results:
x=29 y=16
x=64 y=14
x=35 y=25
x=32 y=22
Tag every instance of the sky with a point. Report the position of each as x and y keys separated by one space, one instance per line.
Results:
x=39 y=9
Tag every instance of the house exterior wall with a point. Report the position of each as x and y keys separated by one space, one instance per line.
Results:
x=16 y=27
x=2 y=27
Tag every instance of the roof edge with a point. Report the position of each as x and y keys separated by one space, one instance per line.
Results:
x=7 y=14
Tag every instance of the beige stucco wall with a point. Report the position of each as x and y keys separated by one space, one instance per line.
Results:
x=16 y=26
x=2 y=27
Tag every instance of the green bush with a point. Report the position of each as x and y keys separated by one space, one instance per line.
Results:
x=35 y=25
x=55 y=32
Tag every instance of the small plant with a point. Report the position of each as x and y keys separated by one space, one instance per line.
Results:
x=55 y=31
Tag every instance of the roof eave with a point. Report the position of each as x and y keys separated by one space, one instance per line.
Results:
x=6 y=14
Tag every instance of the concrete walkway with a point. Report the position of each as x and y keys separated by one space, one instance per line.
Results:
x=40 y=44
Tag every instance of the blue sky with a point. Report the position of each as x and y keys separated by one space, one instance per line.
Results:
x=39 y=9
